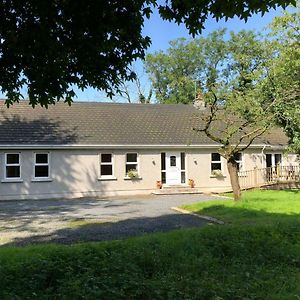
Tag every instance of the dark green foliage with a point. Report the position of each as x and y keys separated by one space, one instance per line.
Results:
x=216 y=262
x=48 y=47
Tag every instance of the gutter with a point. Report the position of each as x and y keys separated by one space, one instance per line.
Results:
x=98 y=146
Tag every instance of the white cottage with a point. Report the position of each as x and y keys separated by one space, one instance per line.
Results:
x=105 y=149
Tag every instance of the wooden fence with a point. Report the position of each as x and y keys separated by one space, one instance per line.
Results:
x=266 y=176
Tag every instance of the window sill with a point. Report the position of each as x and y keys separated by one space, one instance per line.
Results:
x=214 y=176
x=11 y=180
x=103 y=178
x=41 y=179
x=134 y=178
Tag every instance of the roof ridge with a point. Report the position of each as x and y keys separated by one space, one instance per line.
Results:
x=87 y=102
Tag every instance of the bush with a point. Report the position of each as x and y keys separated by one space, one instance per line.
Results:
x=216 y=262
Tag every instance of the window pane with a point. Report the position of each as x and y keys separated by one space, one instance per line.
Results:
x=215 y=166
x=12 y=172
x=182 y=177
x=163 y=161
x=41 y=171
x=12 y=158
x=131 y=167
x=106 y=170
x=277 y=159
x=173 y=161
x=238 y=156
x=41 y=158
x=182 y=158
x=131 y=157
x=215 y=157
x=106 y=158
x=163 y=177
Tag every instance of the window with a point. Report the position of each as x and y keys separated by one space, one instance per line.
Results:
x=12 y=166
x=163 y=167
x=216 y=163
x=172 y=161
x=238 y=157
x=41 y=165
x=182 y=161
x=131 y=162
x=106 y=164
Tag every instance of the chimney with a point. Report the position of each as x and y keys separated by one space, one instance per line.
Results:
x=199 y=102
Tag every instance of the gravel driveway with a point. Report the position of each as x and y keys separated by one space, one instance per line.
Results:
x=69 y=221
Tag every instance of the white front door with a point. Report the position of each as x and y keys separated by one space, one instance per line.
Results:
x=173 y=168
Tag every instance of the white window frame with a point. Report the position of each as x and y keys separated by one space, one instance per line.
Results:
x=48 y=178
x=241 y=162
x=216 y=162
x=112 y=163
x=13 y=179
x=133 y=163
x=185 y=167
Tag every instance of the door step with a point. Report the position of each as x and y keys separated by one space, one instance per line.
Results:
x=178 y=186
x=177 y=191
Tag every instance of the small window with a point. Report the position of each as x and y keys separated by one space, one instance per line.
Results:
x=106 y=164
x=41 y=165
x=216 y=163
x=239 y=160
x=163 y=167
x=131 y=162
x=12 y=166
x=173 y=161
x=182 y=161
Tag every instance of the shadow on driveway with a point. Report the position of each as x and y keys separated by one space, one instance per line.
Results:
x=113 y=231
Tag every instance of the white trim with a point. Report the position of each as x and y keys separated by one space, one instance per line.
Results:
x=216 y=162
x=171 y=170
x=112 y=163
x=272 y=158
x=185 y=167
x=129 y=146
x=133 y=163
x=12 y=179
x=241 y=162
x=107 y=178
x=39 y=179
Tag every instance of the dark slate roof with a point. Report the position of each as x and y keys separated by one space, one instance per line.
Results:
x=86 y=123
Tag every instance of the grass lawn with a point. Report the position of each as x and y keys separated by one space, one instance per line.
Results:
x=256 y=207
x=244 y=260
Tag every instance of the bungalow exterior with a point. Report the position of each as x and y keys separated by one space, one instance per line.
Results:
x=107 y=149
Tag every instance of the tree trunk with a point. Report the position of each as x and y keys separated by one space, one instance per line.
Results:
x=234 y=178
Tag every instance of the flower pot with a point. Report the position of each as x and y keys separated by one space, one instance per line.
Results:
x=158 y=184
x=191 y=183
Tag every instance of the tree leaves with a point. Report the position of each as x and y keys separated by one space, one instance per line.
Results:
x=48 y=47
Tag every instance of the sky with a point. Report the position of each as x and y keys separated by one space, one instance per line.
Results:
x=161 y=32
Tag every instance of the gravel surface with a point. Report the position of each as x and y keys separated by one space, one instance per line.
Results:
x=70 y=221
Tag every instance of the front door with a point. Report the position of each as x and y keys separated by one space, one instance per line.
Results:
x=173 y=168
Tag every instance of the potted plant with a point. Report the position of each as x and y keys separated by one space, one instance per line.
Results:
x=132 y=174
x=191 y=183
x=158 y=184
x=217 y=173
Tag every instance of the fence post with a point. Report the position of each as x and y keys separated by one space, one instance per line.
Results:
x=255 y=177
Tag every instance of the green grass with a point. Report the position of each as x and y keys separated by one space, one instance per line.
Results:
x=255 y=256
x=256 y=207
x=216 y=262
x=83 y=222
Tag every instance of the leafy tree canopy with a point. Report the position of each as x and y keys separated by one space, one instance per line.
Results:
x=286 y=74
x=236 y=78
x=50 y=46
